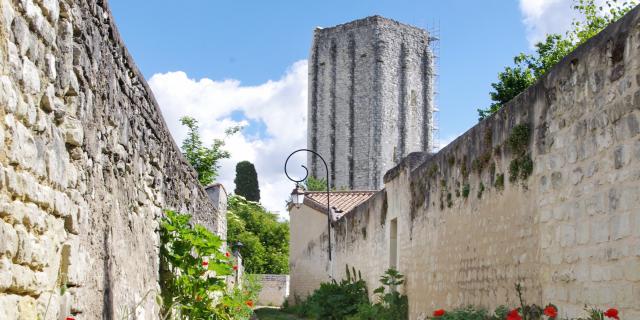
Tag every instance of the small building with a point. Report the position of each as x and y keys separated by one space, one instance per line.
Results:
x=307 y=222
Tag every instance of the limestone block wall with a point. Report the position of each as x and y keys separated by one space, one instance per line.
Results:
x=370 y=99
x=86 y=166
x=275 y=289
x=568 y=230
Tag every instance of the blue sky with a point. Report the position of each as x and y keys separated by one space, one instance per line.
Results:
x=201 y=54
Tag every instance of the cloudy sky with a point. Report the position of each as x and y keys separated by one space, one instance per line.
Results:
x=244 y=63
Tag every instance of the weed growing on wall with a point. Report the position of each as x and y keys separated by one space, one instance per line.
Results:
x=521 y=166
x=499 y=181
x=465 y=190
x=193 y=273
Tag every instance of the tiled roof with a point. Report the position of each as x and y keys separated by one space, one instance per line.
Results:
x=341 y=201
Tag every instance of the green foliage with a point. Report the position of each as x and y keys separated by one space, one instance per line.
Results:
x=511 y=82
x=335 y=300
x=348 y=299
x=520 y=168
x=480 y=190
x=499 y=181
x=528 y=68
x=433 y=169
x=465 y=190
x=313 y=184
x=247 y=181
x=204 y=160
x=518 y=140
x=193 y=271
x=390 y=305
x=265 y=239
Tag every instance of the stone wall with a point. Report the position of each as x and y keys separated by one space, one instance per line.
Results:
x=274 y=291
x=370 y=99
x=86 y=166
x=567 y=226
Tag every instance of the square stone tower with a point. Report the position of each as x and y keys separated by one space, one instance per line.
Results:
x=370 y=99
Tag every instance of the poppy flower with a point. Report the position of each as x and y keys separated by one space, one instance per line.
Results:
x=235 y=267
x=250 y=303
x=69 y=318
x=439 y=313
x=551 y=311
x=612 y=313
x=205 y=263
x=227 y=254
x=514 y=315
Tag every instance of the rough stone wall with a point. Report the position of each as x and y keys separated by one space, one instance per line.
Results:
x=569 y=231
x=86 y=166
x=370 y=99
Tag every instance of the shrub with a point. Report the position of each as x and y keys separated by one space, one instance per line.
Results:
x=337 y=300
x=391 y=305
x=193 y=273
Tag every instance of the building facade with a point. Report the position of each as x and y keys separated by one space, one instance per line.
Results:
x=370 y=99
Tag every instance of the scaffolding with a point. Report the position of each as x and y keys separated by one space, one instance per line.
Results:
x=434 y=45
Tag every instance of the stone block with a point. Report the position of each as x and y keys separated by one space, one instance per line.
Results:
x=8 y=96
x=62 y=204
x=620 y=226
x=9 y=306
x=34 y=218
x=600 y=231
x=27 y=309
x=74 y=261
x=30 y=77
x=23 y=149
x=582 y=232
x=567 y=235
x=23 y=280
x=9 y=243
x=632 y=270
x=73 y=132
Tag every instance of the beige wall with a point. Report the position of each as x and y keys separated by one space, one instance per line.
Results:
x=306 y=224
x=570 y=233
x=274 y=291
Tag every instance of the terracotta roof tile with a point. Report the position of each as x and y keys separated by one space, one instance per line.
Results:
x=342 y=201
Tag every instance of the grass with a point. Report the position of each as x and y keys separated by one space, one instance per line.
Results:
x=274 y=314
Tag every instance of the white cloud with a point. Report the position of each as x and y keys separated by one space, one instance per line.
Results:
x=279 y=105
x=542 y=17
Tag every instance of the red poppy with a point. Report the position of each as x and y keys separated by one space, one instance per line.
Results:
x=439 y=313
x=250 y=303
x=551 y=311
x=227 y=254
x=235 y=267
x=69 y=318
x=612 y=313
x=514 y=315
x=205 y=263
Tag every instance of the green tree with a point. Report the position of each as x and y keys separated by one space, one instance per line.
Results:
x=530 y=67
x=313 y=184
x=247 y=181
x=265 y=239
x=204 y=160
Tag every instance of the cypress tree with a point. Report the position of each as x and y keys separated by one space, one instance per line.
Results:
x=247 y=181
